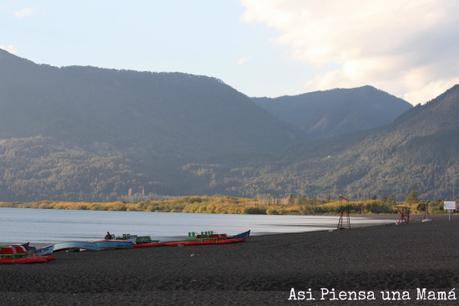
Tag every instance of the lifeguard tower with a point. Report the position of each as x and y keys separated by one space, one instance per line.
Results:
x=403 y=214
x=344 y=221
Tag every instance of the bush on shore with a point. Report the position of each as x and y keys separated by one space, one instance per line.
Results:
x=292 y=205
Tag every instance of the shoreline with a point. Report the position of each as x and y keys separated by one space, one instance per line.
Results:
x=260 y=271
x=363 y=221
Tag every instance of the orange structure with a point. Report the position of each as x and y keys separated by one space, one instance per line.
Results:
x=404 y=214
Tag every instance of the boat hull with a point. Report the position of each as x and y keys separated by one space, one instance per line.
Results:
x=45 y=251
x=113 y=244
x=26 y=260
x=92 y=245
x=243 y=235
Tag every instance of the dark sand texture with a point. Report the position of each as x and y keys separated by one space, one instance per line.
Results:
x=259 y=272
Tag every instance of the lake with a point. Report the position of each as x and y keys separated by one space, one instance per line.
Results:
x=52 y=225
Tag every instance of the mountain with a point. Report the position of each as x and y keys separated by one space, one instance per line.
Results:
x=57 y=122
x=418 y=151
x=336 y=112
x=40 y=168
x=165 y=113
x=85 y=133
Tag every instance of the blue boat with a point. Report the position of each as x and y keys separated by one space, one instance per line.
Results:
x=243 y=235
x=45 y=251
x=113 y=244
x=75 y=245
x=92 y=245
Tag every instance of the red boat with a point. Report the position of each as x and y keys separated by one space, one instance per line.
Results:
x=210 y=240
x=26 y=260
x=19 y=254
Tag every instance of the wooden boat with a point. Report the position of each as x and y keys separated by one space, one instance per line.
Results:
x=204 y=242
x=20 y=254
x=45 y=251
x=113 y=244
x=26 y=260
x=74 y=245
x=92 y=245
x=148 y=245
x=242 y=237
x=13 y=251
x=134 y=238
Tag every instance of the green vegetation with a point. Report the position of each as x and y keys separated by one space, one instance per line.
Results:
x=105 y=132
x=412 y=197
x=292 y=205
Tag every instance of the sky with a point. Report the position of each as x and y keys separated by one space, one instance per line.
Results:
x=260 y=47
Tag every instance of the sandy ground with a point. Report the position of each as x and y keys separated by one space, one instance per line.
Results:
x=261 y=271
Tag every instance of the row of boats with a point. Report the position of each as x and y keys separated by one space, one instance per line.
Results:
x=26 y=254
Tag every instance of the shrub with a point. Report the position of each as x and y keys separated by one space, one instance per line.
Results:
x=272 y=211
x=255 y=211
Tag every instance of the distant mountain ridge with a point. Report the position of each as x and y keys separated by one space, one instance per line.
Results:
x=148 y=124
x=175 y=113
x=418 y=151
x=337 y=111
x=85 y=133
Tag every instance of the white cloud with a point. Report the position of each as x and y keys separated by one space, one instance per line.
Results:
x=23 y=13
x=10 y=48
x=406 y=47
x=242 y=60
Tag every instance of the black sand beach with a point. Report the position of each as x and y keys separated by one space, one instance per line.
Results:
x=259 y=272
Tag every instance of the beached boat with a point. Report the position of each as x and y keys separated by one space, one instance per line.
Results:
x=113 y=244
x=92 y=245
x=204 y=242
x=205 y=238
x=26 y=260
x=19 y=254
x=133 y=238
x=243 y=235
x=45 y=251
x=13 y=251
x=200 y=240
x=74 y=245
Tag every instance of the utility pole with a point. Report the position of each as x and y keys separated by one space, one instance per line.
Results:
x=453 y=185
x=433 y=182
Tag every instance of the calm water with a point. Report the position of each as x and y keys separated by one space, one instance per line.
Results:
x=43 y=225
